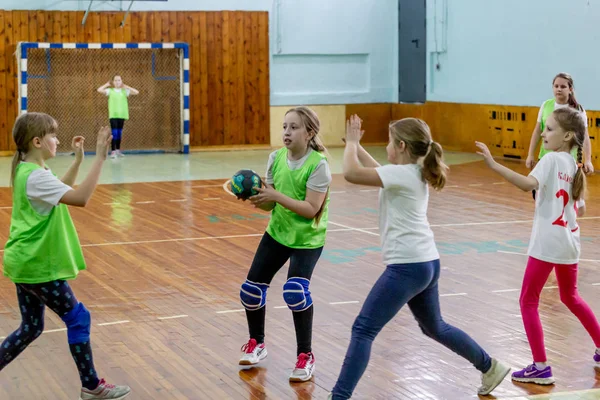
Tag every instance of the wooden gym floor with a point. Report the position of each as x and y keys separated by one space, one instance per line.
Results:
x=166 y=259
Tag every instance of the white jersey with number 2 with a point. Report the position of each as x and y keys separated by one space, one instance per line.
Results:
x=555 y=233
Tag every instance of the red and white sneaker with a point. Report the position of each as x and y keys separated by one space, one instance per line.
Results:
x=105 y=391
x=305 y=367
x=253 y=353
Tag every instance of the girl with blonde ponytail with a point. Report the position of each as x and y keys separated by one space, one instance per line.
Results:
x=409 y=252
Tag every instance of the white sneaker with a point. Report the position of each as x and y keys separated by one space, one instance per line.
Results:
x=253 y=353
x=113 y=154
x=305 y=367
x=120 y=154
x=493 y=377
x=105 y=391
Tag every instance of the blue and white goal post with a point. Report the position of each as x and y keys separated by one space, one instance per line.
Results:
x=62 y=79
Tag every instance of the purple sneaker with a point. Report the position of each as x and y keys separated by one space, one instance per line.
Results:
x=533 y=375
x=597 y=358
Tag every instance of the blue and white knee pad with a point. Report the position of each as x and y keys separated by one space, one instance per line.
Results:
x=296 y=294
x=253 y=295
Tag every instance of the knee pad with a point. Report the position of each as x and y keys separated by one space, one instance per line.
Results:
x=115 y=134
x=79 y=322
x=296 y=294
x=253 y=295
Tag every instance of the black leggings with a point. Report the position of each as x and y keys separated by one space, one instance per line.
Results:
x=116 y=126
x=33 y=299
x=268 y=260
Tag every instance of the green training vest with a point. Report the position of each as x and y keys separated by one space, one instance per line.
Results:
x=547 y=109
x=118 y=106
x=285 y=226
x=40 y=248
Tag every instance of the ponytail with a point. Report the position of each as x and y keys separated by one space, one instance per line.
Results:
x=316 y=144
x=573 y=101
x=570 y=120
x=434 y=170
x=578 y=189
x=13 y=168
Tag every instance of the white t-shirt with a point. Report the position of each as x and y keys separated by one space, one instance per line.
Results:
x=406 y=236
x=318 y=181
x=555 y=233
x=557 y=106
x=44 y=190
x=127 y=91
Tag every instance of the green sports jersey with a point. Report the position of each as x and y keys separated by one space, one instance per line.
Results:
x=548 y=108
x=40 y=248
x=285 y=226
x=118 y=107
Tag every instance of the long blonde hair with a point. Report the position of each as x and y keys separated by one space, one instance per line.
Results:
x=571 y=120
x=27 y=127
x=417 y=136
x=311 y=123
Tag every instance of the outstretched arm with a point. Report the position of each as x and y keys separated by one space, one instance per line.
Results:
x=525 y=183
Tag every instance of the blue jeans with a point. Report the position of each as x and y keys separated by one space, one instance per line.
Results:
x=417 y=285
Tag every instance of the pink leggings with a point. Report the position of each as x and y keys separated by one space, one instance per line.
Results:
x=536 y=275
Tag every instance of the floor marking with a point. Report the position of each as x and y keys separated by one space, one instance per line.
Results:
x=178 y=200
x=525 y=254
x=341 y=191
x=451 y=186
x=354 y=229
x=5 y=208
x=369 y=190
x=230 y=311
x=453 y=294
x=206 y=186
x=505 y=290
x=173 y=317
x=212 y=198
x=280 y=307
x=55 y=330
x=145 y=202
x=111 y=204
x=114 y=323
x=226 y=187
x=498 y=183
x=550 y=396
x=191 y=239
x=476 y=184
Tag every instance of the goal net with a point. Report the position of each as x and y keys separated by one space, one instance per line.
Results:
x=61 y=79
